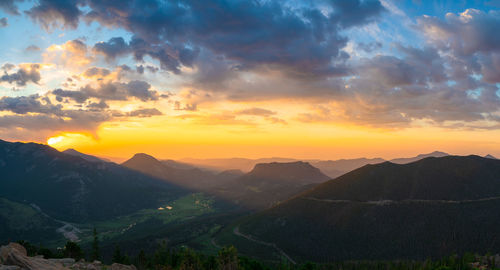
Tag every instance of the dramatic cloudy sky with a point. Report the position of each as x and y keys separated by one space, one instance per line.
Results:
x=220 y=78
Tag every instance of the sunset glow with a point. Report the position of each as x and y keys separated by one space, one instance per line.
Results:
x=397 y=79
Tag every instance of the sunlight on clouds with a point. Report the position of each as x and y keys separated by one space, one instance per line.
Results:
x=72 y=54
x=70 y=140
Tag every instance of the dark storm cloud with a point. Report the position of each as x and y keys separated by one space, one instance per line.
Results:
x=355 y=12
x=171 y=58
x=112 y=48
x=50 y=13
x=110 y=91
x=304 y=41
x=25 y=73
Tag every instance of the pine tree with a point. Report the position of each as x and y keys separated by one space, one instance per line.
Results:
x=117 y=255
x=73 y=250
x=228 y=258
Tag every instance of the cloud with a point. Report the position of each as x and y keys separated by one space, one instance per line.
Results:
x=38 y=116
x=144 y=112
x=186 y=107
x=256 y=112
x=32 y=48
x=54 y=13
x=112 y=48
x=24 y=74
x=110 y=91
x=471 y=37
x=9 y=6
x=171 y=58
x=101 y=105
x=3 y=22
x=72 y=54
x=28 y=104
x=96 y=72
x=303 y=40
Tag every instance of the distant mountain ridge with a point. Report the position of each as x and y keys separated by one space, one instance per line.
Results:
x=186 y=176
x=90 y=158
x=419 y=157
x=332 y=168
x=429 y=208
x=270 y=183
x=265 y=185
x=298 y=171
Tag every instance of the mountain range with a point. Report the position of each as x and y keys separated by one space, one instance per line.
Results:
x=71 y=188
x=265 y=185
x=428 y=208
x=332 y=168
x=431 y=205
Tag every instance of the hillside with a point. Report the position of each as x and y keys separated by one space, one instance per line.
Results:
x=429 y=208
x=73 y=189
x=270 y=183
x=189 y=177
x=335 y=168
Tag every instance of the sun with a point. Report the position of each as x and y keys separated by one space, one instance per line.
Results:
x=54 y=140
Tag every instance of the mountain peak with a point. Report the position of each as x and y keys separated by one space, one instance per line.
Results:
x=297 y=170
x=141 y=159
x=434 y=154
x=490 y=156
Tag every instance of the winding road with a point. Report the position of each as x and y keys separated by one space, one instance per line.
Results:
x=237 y=232
x=392 y=202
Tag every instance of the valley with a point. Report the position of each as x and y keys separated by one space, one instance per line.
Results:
x=278 y=212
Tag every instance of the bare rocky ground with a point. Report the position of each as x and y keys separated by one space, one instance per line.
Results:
x=14 y=257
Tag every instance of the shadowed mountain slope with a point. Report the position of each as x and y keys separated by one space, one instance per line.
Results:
x=265 y=185
x=91 y=158
x=193 y=178
x=73 y=189
x=270 y=183
x=429 y=208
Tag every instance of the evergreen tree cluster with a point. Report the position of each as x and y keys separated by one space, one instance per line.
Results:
x=227 y=259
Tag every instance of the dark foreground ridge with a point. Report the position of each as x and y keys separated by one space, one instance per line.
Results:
x=434 y=207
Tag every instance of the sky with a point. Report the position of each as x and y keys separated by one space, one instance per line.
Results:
x=324 y=79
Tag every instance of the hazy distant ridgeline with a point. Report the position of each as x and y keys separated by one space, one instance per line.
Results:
x=265 y=185
x=429 y=208
x=332 y=168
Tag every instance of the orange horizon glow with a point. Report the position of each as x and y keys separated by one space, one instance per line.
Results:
x=120 y=141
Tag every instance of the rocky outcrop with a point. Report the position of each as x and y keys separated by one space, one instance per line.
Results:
x=117 y=266
x=14 y=257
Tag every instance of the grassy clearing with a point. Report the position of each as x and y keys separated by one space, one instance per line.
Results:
x=146 y=221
